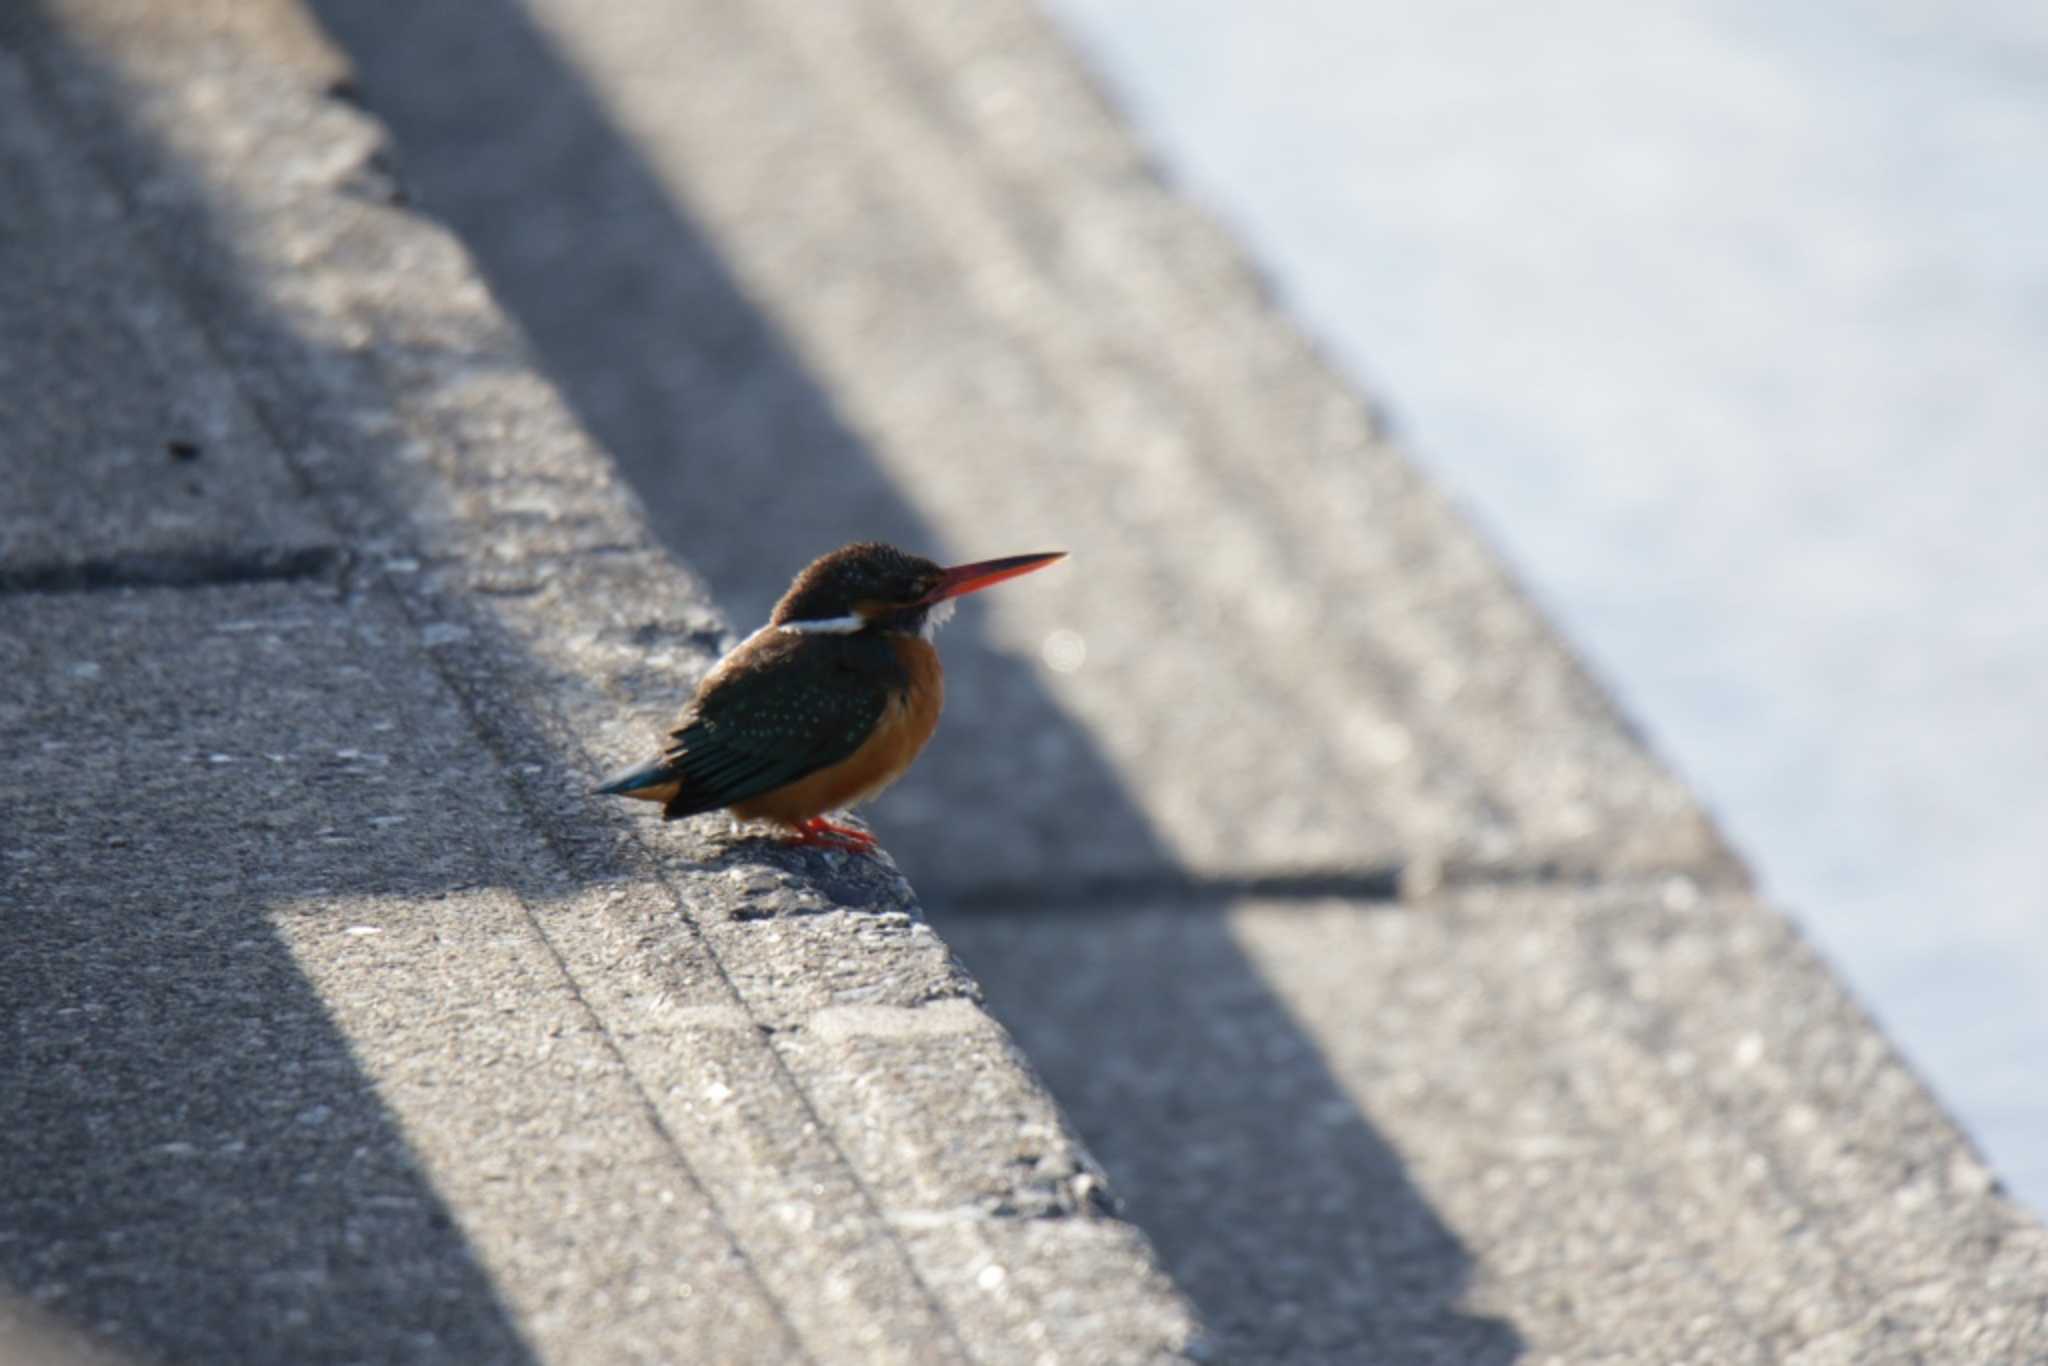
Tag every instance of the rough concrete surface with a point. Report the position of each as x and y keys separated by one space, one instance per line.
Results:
x=1290 y=841
x=405 y=1049
x=341 y=1023
x=884 y=269
x=1567 y=1151
x=295 y=1075
x=176 y=472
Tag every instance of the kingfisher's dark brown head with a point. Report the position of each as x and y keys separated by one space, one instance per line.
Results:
x=869 y=586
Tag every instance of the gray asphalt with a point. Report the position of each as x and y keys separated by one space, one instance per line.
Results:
x=1414 y=1009
x=1313 y=872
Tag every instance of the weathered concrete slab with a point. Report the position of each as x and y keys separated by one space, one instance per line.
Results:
x=128 y=451
x=622 y=1093
x=904 y=278
x=293 y=1074
x=1571 y=1124
x=1616 y=1122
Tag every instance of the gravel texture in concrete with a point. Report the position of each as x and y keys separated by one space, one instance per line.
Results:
x=1420 y=1011
x=295 y=1073
x=1615 y=1124
x=343 y=1024
x=173 y=481
x=817 y=273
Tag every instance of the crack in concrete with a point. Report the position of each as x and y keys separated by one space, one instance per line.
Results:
x=1388 y=884
x=176 y=569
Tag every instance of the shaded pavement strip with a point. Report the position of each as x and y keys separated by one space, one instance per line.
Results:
x=174 y=569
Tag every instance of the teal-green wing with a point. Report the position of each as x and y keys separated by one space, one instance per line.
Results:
x=752 y=735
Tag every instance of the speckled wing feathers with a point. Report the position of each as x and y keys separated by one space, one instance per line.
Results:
x=745 y=736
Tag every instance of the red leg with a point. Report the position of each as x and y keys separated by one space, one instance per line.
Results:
x=821 y=833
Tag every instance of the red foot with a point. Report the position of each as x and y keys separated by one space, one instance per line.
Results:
x=821 y=833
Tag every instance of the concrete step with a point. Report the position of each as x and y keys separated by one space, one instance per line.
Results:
x=346 y=1025
x=1420 y=1011
x=1626 y=1123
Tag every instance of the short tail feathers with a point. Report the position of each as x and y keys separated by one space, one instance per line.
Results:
x=653 y=781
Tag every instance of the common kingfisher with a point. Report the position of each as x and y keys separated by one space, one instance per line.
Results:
x=824 y=706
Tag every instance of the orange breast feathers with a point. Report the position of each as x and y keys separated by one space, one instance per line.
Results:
x=899 y=736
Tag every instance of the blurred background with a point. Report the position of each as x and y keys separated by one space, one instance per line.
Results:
x=1729 y=324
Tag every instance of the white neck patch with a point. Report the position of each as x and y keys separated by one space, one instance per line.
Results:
x=830 y=626
x=940 y=614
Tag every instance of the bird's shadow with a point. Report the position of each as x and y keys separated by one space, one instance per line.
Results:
x=831 y=879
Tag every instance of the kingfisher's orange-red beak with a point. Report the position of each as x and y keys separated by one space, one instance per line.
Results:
x=963 y=579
